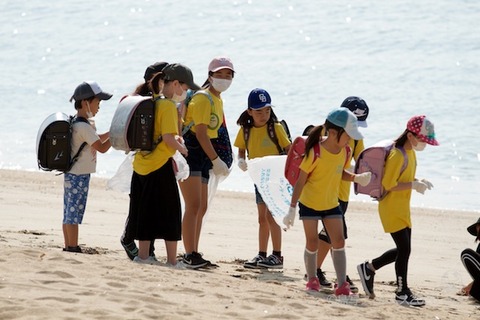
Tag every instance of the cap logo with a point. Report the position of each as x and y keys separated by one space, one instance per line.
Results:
x=262 y=97
x=359 y=112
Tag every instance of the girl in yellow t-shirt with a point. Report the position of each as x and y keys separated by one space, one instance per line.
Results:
x=155 y=210
x=394 y=208
x=257 y=120
x=317 y=191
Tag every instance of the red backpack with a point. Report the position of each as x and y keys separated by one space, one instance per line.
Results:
x=295 y=157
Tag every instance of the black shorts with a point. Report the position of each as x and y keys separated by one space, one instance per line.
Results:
x=197 y=159
x=155 y=209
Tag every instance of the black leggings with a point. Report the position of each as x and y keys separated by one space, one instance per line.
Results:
x=399 y=255
x=471 y=261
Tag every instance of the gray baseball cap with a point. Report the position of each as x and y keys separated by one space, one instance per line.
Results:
x=89 y=89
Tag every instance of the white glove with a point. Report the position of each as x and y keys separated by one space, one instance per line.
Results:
x=219 y=167
x=419 y=186
x=290 y=217
x=363 y=178
x=428 y=183
x=242 y=164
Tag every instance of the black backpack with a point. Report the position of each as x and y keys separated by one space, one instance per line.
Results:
x=54 y=140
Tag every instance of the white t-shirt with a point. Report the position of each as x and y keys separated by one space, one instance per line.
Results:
x=87 y=161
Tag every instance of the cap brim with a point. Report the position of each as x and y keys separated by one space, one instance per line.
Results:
x=104 y=96
x=220 y=68
x=354 y=133
x=362 y=124
x=264 y=106
x=473 y=229
x=194 y=86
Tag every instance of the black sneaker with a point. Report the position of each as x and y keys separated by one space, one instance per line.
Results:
x=194 y=261
x=130 y=248
x=323 y=280
x=366 y=277
x=272 y=262
x=353 y=287
x=253 y=264
x=406 y=298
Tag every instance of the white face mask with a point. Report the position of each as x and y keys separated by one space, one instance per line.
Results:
x=221 y=84
x=89 y=113
x=420 y=146
x=179 y=98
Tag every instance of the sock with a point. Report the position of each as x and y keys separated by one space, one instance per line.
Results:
x=310 y=263
x=340 y=264
x=277 y=253
x=262 y=253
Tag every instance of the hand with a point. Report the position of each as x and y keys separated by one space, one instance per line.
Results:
x=242 y=164
x=219 y=167
x=428 y=183
x=289 y=219
x=363 y=178
x=419 y=186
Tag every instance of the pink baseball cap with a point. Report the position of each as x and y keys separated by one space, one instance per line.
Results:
x=220 y=63
x=423 y=129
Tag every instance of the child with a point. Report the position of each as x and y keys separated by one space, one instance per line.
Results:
x=87 y=98
x=360 y=109
x=471 y=261
x=143 y=89
x=317 y=190
x=155 y=210
x=256 y=121
x=394 y=208
x=202 y=157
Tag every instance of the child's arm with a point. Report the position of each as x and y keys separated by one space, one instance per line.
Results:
x=103 y=144
x=173 y=143
x=242 y=164
x=297 y=189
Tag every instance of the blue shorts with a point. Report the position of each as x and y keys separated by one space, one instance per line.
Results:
x=197 y=159
x=307 y=213
x=75 y=193
x=258 y=197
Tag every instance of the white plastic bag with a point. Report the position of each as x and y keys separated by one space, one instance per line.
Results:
x=183 y=169
x=123 y=177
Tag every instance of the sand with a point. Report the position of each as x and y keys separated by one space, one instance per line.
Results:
x=40 y=281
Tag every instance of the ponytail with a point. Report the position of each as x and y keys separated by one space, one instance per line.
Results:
x=313 y=138
x=155 y=82
x=400 y=141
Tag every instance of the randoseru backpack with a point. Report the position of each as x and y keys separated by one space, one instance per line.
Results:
x=296 y=155
x=271 y=133
x=133 y=124
x=54 y=146
x=373 y=159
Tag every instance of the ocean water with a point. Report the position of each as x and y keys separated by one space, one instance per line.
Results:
x=404 y=58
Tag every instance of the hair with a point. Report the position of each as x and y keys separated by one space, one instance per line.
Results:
x=78 y=103
x=246 y=120
x=143 y=89
x=402 y=139
x=154 y=83
x=316 y=132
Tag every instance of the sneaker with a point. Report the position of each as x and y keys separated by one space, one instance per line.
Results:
x=366 y=277
x=313 y=285
x=343 y=290
x=353 y=287
x=323 y=280
x=179 y=265
x=405 y=297
x=200 y=256
x=253 y=264
x=149 y=260
x=273 y=262
x=194 y=261
x=73 y=249
x=130 y=248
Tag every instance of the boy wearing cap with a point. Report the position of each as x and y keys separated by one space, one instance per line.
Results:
x=87 y=98
x=258 y=143
x=471 y=262
x=394 y=208
x=316 y=192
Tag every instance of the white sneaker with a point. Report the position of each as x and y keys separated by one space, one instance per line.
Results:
x=179 y=265
x=150 y=260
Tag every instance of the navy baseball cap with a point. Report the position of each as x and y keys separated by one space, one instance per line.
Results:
x=259 y=99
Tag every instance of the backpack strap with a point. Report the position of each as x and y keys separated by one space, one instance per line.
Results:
x=405 y=159
x=187 y=101
x=74 y=159
x=273 y=136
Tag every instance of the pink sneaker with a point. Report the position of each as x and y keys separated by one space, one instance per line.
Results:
x=313 y=284
x=343 y=290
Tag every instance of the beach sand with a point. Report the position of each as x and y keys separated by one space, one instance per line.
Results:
x=40 y=281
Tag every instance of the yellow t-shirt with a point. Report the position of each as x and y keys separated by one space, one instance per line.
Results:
x=166 y=121
x=344 y=193
x=394 y=209
x=325 y=173
x=259 y=142
x=201 y=111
